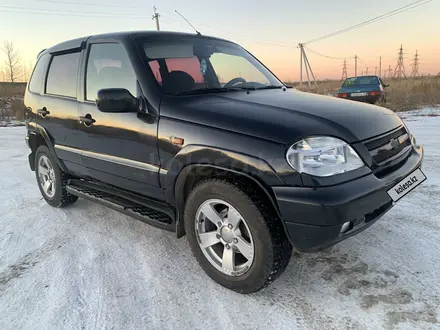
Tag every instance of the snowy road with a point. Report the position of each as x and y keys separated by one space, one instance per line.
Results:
x=88 y=267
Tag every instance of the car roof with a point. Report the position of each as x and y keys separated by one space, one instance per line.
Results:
x=80 y=42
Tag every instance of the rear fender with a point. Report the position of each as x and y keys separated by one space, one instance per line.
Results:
x=38 y=134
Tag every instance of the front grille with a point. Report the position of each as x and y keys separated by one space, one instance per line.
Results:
x=381 y=148
x=379 y=142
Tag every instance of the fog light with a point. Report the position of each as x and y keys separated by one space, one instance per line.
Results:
x=345 y=227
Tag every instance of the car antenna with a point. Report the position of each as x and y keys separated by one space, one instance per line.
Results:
x=198 y=33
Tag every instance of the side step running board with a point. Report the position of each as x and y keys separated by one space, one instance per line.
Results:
x=140 y=208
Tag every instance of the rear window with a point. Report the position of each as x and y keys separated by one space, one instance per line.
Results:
x=357 y=81
x=37 y=77
x=62 y=76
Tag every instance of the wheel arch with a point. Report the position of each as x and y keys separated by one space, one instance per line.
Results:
x=192 y=174
x=37 y=137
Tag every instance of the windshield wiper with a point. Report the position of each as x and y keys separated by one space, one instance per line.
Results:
x=271 y=87
x=214 y=90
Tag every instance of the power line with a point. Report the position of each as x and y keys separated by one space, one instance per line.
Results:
x=72 y=11
x=415 y=65
x=344 y=71
x=71 y=15
x=331 y=57
x=361 y=60
x=219 y=31
x=89 y=4
x=372 y=20
x=399 y=72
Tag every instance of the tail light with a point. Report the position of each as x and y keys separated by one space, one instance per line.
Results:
x=342 y=95
x=375 y=93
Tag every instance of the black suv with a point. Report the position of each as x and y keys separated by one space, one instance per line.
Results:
x=194 y=135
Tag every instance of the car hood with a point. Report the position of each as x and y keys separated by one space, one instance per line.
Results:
x=282 y=116
x=359 y=89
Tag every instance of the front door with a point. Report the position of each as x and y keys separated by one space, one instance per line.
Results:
x=118 y=148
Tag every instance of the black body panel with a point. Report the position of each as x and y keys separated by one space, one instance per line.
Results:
x=144 y=157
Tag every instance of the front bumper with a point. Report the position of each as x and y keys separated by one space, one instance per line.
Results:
x=313 y=217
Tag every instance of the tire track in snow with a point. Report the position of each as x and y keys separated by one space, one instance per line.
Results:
x=30 y=260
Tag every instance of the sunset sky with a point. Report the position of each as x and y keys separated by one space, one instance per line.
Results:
x=270 y=30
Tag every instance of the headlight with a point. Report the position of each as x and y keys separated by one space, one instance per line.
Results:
x=323 y=156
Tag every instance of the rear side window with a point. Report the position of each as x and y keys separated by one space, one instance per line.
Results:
x=37 y=77
x=62 y=76
x=108 y=66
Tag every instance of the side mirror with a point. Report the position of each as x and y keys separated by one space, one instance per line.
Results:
x=116 y=100
x=386 y=85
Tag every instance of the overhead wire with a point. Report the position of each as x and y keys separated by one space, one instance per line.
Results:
x=372 y=20
x=323 y=55
x=89 y=4
x=361 y=60
x=71 y=11
x=71 y=15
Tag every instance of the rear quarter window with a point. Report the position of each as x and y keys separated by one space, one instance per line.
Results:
x=63 y=75
x=37 y=78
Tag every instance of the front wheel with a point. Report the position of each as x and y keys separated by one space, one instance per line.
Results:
x=51 y=180
x=235 y=235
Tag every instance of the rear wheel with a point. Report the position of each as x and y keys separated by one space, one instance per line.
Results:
x=235 y=236
x=51 y=180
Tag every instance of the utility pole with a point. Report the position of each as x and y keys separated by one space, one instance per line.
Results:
x=390 y=71
x=305 y=62
x=375 y=71
x=399 y=72
x=366 y=72
x=355 y=65
x=380 y=66
x=415 y=65
x=156 y=17
x=344 y=71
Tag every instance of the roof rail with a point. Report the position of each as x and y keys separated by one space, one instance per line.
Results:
x=41 y=52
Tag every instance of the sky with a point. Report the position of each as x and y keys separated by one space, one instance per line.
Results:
x=270 y=30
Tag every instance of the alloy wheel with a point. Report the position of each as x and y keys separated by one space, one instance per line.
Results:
x=224 y=237
x=46 y=176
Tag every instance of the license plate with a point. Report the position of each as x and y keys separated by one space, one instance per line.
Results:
x=359 y=94
x=406 y=185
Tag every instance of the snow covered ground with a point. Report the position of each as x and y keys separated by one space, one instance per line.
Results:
x=88 y=267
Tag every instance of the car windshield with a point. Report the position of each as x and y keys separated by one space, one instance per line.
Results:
x=193 y=65
x=357 y=81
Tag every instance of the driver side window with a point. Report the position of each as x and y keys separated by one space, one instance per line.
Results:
x=109 y=67
x=228 y=67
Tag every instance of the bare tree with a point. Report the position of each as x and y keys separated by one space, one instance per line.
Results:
x=12 y=63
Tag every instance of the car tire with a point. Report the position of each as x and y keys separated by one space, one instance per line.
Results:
x=258 y=226
x=48 y=173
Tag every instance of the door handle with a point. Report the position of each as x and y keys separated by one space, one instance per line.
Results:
x=43 y=112
x=87 y=120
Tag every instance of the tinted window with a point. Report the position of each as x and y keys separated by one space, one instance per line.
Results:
x=62 y=76
x=109 y=67
x=190 y=65
x=183 y=65
x=38 y=75
x=357 y=81
x=228 y=67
